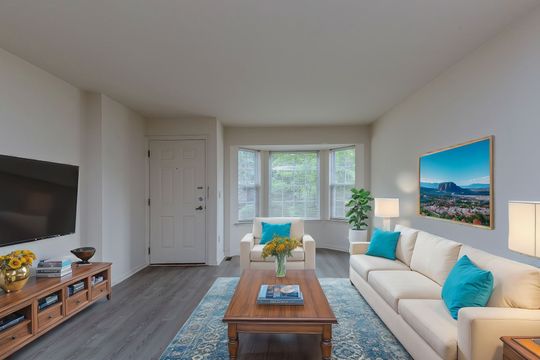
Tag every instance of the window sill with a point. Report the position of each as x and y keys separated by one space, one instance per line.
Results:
x=250 y=222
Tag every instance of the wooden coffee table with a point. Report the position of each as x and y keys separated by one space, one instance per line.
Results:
x=245 y=315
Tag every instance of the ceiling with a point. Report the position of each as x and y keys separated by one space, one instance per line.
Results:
x=253 y=62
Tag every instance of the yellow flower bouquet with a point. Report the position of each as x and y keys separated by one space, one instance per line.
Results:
x=280 y=247
x=15 y=269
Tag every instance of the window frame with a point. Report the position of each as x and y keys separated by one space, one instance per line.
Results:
x=257 y=185
x=269 y=179
x=331 y=176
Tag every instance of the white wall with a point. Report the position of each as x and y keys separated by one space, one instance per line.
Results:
x=124 y=195
x=203 y=128
x=42 y=117
x=495 y=90
x=328 y=233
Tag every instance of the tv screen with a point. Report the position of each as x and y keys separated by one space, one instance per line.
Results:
x=38 y=199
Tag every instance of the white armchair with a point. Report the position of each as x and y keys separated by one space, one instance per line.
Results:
x=303 y=257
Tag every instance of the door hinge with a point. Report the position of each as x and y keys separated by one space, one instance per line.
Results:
x=148 y=201
x=148 y=251
x=148 y=153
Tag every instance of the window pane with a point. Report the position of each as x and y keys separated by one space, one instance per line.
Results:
x=248 y=184
x=294 y=184
x=342 y=178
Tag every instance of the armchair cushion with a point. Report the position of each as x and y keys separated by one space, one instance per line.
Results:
x=270 y=230
x=256 y=254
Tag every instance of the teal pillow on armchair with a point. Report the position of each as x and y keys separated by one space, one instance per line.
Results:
x=383 y=244
x=271 y=230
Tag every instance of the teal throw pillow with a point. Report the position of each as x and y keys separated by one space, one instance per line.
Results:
x=383 y=244
x=271 y=230
x=466 y=286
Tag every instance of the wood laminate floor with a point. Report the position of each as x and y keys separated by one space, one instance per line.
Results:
x=148 y=309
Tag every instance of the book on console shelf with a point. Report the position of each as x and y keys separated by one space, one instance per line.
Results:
x=280 y=295
x=97 y=279
x=61 y=262
x=47 y=301
x=75 y=288
x=10 y=321
x=56 y=273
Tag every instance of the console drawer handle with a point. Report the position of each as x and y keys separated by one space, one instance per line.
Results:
x=13 y=337
x=78 y=302
x=50 y=316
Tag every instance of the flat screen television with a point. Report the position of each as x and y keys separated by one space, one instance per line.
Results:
x=38 y=199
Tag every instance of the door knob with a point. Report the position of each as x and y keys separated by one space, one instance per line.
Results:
x=199 y=208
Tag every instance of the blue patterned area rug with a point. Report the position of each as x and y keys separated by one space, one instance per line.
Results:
x=360 y=334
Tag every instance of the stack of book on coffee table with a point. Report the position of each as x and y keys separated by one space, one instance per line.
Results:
x=280 y=295
x=54 y=267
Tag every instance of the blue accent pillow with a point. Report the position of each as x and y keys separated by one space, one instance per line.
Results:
x=383 y=244
x=466 y=286
x=271 y=230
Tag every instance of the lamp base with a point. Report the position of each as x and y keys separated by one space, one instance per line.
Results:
x=386 y=224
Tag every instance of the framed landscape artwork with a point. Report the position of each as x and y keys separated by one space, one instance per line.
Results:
x=456 y=183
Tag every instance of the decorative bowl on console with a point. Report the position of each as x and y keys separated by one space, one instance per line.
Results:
x=84 y=253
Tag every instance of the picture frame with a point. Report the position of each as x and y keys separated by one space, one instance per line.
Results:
x=455 y=183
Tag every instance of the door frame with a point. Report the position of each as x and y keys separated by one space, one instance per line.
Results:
x=150 y=138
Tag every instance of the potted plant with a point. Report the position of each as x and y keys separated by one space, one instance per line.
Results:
x=359 y=206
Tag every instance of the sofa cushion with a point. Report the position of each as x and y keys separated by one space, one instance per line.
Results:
x=256 y=254
x=297 y=226
x=363 y=264
x=383 y=244
x=393 y=286
x=434 y=256
x=515 y=284
x=406 y=243
x=431 y=320
x=466 y=286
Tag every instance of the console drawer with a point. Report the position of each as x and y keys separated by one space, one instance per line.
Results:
x=99 y=290
x=15 y=335
x=76 y=301
x=49 y=316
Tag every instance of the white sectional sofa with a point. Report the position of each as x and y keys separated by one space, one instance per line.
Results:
x=406 y=294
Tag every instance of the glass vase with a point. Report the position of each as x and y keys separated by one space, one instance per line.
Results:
x=281 y=265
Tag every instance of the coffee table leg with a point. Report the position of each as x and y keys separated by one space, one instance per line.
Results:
x=233 y=341
x=326 y=342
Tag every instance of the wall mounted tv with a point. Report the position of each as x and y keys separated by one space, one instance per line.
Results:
x=38 y=199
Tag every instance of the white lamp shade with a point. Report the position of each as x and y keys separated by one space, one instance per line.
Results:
x=524 y=227
x=386 y=208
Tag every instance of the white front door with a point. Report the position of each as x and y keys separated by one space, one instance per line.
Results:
x=177 y=201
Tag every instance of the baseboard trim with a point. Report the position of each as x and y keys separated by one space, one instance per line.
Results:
x=129 y=274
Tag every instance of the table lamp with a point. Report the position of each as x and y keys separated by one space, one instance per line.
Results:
x=386 y=208
x=524 y=227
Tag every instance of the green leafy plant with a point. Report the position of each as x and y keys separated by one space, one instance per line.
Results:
x=359 y=206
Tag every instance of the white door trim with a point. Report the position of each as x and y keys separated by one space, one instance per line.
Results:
x=150 y=138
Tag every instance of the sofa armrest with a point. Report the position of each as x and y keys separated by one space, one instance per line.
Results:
x=309 y=252
x=357 y=248
x=246 y=244
x=480 y=330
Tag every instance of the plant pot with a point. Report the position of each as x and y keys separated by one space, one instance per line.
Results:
x=357 y=235
x=281 y=265
x=14 y=280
